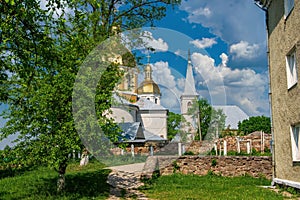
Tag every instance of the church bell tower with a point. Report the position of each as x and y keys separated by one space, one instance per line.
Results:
x=189 y=96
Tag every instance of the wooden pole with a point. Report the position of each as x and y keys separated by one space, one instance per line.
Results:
x=199 y=122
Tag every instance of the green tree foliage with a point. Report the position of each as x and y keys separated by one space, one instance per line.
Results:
x=174 y=124
x=41 y=50
x=211 y=120
x=257 y=123
x=218 y=121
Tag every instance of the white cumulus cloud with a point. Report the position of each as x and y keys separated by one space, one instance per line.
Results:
x=244 y=50
x=224 y=59
x=179 y=52
x=200 y=12
x=242 y=87
x=231 y=20
x=162 y=74
x=204 y=42
x=157 y=44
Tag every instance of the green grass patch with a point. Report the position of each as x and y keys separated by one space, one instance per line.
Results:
x=88 y=182
x=178 y=186
x=127 y=159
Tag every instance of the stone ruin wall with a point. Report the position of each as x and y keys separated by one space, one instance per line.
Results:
x=205 y=146
x=256 y=141
x=256 y=166
x=259 y=142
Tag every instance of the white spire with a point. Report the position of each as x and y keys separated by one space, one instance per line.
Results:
x=189 y=88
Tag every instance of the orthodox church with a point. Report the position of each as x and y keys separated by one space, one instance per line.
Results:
x=139 y=112
x=137 y=109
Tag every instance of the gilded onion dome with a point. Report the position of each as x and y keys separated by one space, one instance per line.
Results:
x=148 y=86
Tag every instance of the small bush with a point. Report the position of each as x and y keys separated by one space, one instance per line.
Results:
x=190 y=153
x=156 y=174
x=214 y=162
x=175 y=166
x=290 y=190
x=210 y=173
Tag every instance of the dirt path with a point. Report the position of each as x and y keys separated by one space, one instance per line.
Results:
x=125 y=181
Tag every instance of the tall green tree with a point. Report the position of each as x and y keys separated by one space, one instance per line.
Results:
x=174 y=124
x=211 y=120
x=256 y=123
x=42 y=49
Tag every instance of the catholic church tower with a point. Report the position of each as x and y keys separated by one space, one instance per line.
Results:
x=189 y=96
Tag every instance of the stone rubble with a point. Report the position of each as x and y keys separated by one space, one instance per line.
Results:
x=125 y=185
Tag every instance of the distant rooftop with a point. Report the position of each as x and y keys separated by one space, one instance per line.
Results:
x=234 y=114
x=145 y=104
x=133 y=132
x=117 y=99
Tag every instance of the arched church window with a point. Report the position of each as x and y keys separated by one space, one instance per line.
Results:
x=189 y=104
x=128 y=77
x=148 y=75
x=155 y=100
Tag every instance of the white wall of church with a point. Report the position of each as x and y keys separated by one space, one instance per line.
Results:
x=186 y=103
x=151 y=97
x=154 y=122
x=123 y=115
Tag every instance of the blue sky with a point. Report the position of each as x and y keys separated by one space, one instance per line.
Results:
x=227 y=40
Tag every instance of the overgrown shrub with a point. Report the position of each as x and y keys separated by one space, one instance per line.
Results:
x=175 y=166
x=214 y=162
x=190 y=153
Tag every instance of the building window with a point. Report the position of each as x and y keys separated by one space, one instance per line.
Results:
x=295 y=136
x=288 y=6
x=291 y=69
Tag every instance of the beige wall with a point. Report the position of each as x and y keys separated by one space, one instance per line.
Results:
x=189 y=127
x=154 y=121
x=122 y=115
x=283 y=36
x=256 y=166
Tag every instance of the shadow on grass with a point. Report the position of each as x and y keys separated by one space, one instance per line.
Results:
x=12 y=171
x=78 y=185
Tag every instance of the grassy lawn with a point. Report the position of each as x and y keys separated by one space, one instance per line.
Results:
x=178 y=186
x=122 y=160
x=87 y=182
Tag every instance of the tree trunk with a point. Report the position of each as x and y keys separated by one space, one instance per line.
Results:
x=61 y=177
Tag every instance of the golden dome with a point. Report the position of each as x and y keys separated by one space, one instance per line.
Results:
x=148 y=68
x=148 y=87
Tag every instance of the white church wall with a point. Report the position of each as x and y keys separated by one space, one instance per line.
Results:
x=155 y=122
x=151 y=97
x=121 y=115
